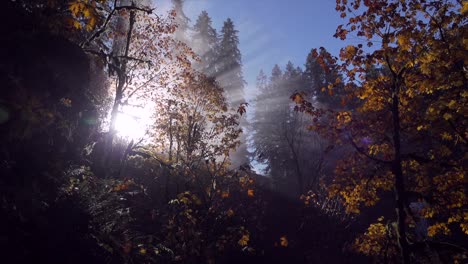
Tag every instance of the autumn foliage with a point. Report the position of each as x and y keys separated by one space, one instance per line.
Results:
x=407 y=133
x=364 y=153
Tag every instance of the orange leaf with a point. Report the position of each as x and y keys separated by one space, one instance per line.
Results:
x=284 y=241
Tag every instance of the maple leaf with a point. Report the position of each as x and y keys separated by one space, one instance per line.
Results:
x=244 y=240
x=284 y=241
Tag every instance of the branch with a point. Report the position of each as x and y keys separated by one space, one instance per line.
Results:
x=144 y=84
x=361 y=151
x=426 y=160
x=148 y=11
x=135 y=59
x=97 y=53
x=105 y=57
x=458 y=132
x=102 y=29
x=421 y=246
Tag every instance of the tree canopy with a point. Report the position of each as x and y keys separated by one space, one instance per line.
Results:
x=129 y=135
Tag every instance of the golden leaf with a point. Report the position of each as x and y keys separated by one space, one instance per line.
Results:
x=284 y=241
x=244 y=241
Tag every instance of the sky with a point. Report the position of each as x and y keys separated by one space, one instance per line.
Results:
x=273 y=31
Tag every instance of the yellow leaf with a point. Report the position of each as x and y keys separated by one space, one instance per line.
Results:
x=86 y=12
x=350 y=51
x=77 y=24
x=403 y=41
x=91 y=23
x=452 y=104
x=298 y=98
x=446 y=136
x=464 y=8
x=283 y=241
x=244 y=241
x=447 y=116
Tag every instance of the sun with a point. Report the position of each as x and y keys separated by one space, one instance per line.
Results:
x=133 y=123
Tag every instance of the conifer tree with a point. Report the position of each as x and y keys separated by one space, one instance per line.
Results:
x=181 y=20
x=205 y=44
x=230 y=64
x=319 y=82
x=229 y=76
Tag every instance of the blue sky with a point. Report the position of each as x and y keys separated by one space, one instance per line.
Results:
x=273 y=31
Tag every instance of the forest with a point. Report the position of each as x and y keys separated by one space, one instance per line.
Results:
x=127 y=136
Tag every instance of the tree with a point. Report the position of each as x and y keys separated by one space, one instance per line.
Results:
x=408 y=131
x=229 y=68
x=181 y=20
x=197 y=124
x=281 y=139
x=322 y=82
x=229 y=76
x=205 y=44
x=270 y=111
x=141 y=55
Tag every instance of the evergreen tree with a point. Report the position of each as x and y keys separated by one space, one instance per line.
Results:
x=319 y=81
x=276 y=73
x=204 y=43
x=229 y=76
x=269 y=116
x=229 y=64
x=181 y=20
x=281 y=142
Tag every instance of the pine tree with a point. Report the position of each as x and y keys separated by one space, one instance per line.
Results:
x=280 y=139
x=229 y=64
x=181 y=20
x=205 y=44
x=318 y=82
x=229 y=76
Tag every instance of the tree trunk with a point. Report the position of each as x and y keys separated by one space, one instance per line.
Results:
x=121 y=70
x=399 y=187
